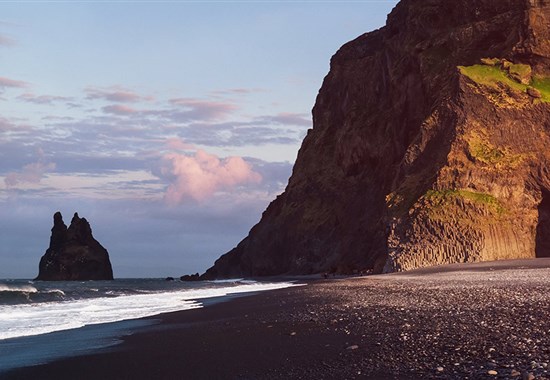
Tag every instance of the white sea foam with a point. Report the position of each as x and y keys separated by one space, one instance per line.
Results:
x=40 y=318
x=18 y=288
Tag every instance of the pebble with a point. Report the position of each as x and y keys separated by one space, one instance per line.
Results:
x=352 y=347
x=293 y=333
x=442 y=322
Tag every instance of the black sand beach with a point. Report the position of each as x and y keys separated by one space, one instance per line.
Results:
x=473 y=321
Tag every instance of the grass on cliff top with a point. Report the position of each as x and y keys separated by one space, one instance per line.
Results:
x=491 y=76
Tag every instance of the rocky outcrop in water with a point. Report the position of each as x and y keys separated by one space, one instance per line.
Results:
x=74 y=254
x=430 y=145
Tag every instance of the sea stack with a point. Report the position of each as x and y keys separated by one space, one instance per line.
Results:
x=430 y=145
x=74 y=254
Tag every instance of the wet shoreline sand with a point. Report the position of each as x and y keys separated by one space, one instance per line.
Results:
x=487 y=320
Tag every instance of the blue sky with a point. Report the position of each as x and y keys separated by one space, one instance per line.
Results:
x=170 y=126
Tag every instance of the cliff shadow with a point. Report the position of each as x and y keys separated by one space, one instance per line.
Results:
x=542 y=239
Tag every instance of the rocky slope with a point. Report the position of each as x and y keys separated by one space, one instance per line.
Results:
x=430 y=145
x=74 y=254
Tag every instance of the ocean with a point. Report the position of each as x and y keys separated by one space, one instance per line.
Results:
x=42 y=321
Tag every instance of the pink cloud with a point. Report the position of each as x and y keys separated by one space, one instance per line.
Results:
x=238 y=91
x=41 y=99
x=7 y=83
x=200 y=176
x=6 y=41
x=6 y=125
x=115 y=94
x=175 y=143
x=119 y=109
x=203 y=109
x=31 y=173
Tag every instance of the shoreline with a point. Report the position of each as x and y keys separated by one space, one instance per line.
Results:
x=447 y=323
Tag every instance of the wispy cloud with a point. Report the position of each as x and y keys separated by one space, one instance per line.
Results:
x=288 y=118
x=197 y=177
x=115 y=94
x=196 y=109
x=176 y=143
x=31 y=173
x=237 y=91
x=11 y=83
x=6 y=41
x=42 y=99
x=119 y=109
x=6 y=125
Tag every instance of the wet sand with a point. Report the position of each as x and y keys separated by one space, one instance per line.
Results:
x=489 y=320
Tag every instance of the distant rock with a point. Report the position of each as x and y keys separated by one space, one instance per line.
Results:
x=190 y=277
x=74 y=254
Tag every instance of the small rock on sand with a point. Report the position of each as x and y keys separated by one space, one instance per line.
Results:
x=352 y=347
x=492 y=372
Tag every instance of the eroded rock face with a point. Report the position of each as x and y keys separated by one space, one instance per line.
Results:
x=74 y=254
x=420 y=154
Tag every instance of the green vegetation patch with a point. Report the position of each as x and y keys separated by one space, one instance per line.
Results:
x=482 y=150
x=490 y=76
x=521 y=73
x=517 y=77
x=490 y=61
x=440 y=198
x=543 y=85
x=485 y=152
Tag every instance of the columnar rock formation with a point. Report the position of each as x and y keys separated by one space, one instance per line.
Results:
x=430 y=145
x=74 y=254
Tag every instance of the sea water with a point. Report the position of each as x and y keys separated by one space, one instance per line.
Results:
x=80 y=316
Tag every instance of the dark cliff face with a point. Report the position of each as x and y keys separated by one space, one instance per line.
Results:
x=74 y=254
x=419 y=154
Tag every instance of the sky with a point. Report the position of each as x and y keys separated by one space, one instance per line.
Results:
x=168 y=125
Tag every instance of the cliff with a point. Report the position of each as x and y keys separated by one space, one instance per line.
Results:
x=74 y=254
x=430 y=145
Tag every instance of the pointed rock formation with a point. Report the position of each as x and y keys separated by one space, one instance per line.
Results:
x=430 y=145
x=74 y=254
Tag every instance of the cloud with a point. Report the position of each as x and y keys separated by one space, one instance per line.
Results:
x=115 y=94
x=199 y=176
x=196 y=109
x=6 y=125
x=6 y=41
x=11 y=83
x=175 y=143
x=238 y=134
x=42 y=99
x=238 y=91
x=31 y=173
x=287 y=118
x=119 y=109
